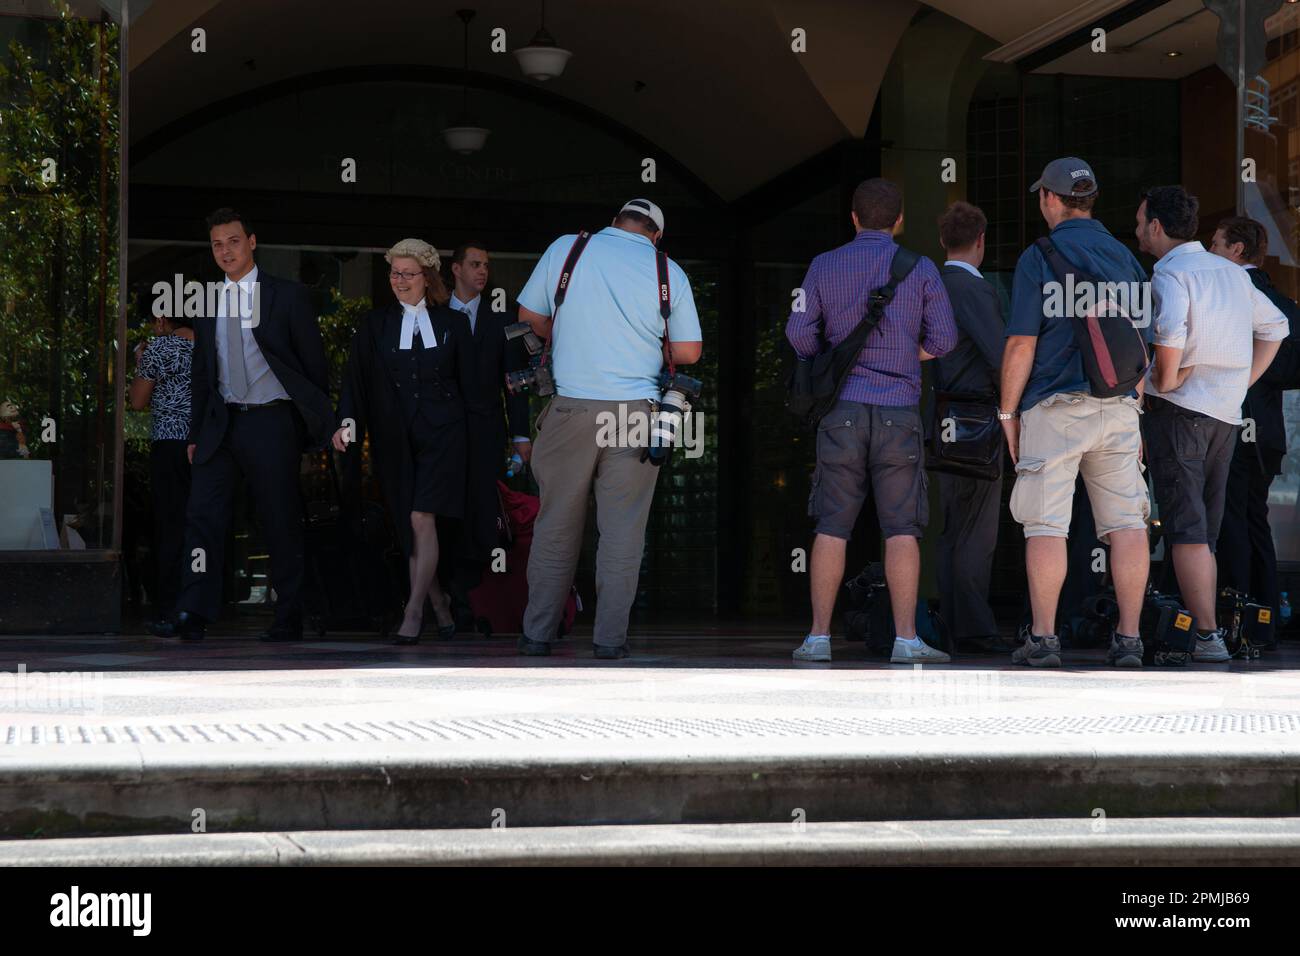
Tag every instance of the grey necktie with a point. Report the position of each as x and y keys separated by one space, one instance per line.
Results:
x=470 y=316
x=236 y=372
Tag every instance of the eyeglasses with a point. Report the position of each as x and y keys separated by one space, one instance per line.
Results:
x=408 y=276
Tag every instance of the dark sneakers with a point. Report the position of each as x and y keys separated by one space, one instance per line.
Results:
x=530 y=648
x=1124 y=651
x=1037 y=651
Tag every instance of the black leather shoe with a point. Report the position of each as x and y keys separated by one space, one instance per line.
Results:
x=185 y=626
x=530 y=648
x=606 y=653
x=280 y=635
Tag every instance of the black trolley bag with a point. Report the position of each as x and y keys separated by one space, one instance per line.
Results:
x=1113 y=351
x=352 y=564
x=814 y=384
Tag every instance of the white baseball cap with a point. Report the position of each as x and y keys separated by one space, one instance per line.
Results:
x=646 y=208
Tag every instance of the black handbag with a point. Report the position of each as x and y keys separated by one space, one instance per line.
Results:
x=814 y=384
x=965 y=435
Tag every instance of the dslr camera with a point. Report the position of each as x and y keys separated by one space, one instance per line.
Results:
x=677 y=391
x=537 y=376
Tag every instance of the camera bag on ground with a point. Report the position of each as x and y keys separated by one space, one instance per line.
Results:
x=814 y=384
x=1114 y=355
x=869 y=615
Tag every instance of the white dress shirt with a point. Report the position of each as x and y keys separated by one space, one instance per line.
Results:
x=965 y=265
x=1207 y=306
x=470 y=308
x=263 y=386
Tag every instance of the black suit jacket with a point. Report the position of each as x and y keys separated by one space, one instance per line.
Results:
x=494 y=356
x=1264 y=399
x=975 y=362
x=290 y=340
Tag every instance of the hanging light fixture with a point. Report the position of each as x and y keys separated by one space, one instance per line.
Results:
x=465 y=136
x=542 y=59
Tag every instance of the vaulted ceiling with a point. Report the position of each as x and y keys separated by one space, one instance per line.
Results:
x=715 y=81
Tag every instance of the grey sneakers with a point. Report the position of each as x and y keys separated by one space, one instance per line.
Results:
x=813 y=649
x=1211 y=649
x=905 y=653
x=1124 y=651
x=1037 y=651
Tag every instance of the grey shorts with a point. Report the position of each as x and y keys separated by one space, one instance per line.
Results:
x=1190 y=455
x=883 y=442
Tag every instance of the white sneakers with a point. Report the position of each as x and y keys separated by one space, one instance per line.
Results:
x=905 y=652
x=918 y=652
x=814 y=649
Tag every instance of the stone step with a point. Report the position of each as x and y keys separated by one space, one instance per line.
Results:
x=147 y=786
x=1194 y=841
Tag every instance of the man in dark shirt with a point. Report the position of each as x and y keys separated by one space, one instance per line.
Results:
x=1246 y=558
x=1068 y=432
x=970 y=505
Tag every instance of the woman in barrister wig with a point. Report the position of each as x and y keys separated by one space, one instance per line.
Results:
x=409 y=379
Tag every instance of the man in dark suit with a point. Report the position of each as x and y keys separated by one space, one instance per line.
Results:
x=495 y=415
x=260 y=387
x=970 y=505
x=1246 y=558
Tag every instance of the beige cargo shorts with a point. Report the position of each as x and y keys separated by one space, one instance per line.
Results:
x=1070 y=434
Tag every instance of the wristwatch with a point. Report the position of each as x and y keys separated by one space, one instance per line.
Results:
x=1007 y=416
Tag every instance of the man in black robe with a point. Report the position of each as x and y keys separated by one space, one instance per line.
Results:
x=498 y=420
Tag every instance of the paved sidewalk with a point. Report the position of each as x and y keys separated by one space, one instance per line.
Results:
x=465 y=693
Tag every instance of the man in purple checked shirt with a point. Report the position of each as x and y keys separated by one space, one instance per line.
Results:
x=874 y=430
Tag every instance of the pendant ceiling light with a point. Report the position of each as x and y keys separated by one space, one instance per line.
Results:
x=542 y=59
x=465 y=136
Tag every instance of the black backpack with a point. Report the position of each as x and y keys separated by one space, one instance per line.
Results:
x=1114 y=354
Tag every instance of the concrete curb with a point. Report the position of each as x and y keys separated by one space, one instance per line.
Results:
x=156 y=789
x=1050 y=842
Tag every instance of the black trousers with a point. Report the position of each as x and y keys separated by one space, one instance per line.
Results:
x=265 y=447
x=966 y=545
x=1245 y=552
x=169 y=493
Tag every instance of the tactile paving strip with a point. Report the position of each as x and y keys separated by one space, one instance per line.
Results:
x=631 y=728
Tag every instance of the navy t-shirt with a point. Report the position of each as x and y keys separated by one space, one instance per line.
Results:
x=1088 y=246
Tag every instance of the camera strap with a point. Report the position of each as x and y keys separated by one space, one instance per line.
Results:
x=664 y=292
x=562 y=287
x=665 y=305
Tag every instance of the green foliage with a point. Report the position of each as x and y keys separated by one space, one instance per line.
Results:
x=58 y=237
x=338 y=322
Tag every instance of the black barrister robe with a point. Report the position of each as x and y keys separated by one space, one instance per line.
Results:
x=489 y=436
x=380 y=405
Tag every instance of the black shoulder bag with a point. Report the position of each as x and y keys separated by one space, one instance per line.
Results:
x=814 y=384
x=965 y=435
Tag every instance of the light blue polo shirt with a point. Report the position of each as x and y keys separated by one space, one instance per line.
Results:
x=608 y=336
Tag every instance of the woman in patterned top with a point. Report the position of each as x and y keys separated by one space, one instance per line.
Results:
x=162 y=384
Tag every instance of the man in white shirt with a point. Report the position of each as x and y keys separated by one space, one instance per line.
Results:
x=259 y=397
x=1214 y=335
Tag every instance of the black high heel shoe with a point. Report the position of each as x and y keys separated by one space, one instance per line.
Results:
x=408 y=639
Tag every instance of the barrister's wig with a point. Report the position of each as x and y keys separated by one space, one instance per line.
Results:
x=416 y=249
x=435 y=290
